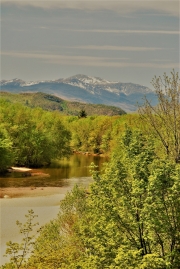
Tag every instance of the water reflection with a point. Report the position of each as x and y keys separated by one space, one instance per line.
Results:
x=77 y=166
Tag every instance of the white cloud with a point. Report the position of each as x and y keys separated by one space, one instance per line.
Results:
x=123 y=7
x=166 y=32
x=87 y=60
x=116 y=48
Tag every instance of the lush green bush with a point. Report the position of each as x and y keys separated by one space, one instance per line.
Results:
x=36 y=136
x=6 y=151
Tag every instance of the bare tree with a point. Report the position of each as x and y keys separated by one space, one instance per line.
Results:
x=163 y=120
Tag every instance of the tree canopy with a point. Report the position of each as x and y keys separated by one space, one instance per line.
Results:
x=31 y=137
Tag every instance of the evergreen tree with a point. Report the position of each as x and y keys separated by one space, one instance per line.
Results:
x=82 y=114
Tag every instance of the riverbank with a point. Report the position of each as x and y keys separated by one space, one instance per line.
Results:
x=7 y=193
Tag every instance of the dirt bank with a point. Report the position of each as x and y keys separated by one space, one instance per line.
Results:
x=7 y=193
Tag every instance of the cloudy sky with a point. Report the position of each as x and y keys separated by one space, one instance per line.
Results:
x=127 y=41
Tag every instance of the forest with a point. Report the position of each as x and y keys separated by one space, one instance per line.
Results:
x=35 y=137
x=51 y=103
x=130 y=216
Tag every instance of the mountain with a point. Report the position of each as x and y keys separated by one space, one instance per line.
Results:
x=81 y=88
x=51 y=103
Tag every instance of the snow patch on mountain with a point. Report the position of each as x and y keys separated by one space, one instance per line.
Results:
x=92 y=84
x=89 y=84
x=30 y=83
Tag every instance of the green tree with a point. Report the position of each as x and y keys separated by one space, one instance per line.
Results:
x=82 y=114
x=99 y=135
x=58 y=244
x=19 y=252
x=163 y=120
x=6 y=151
x=37 y=136
x=59 y=136
x=134 y=210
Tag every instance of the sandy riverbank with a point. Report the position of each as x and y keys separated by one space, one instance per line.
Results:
x=29 y=191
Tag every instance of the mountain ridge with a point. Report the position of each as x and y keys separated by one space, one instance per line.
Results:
x=86 y=89
x=52 y=103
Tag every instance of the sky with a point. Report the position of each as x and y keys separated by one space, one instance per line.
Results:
x=126 y=41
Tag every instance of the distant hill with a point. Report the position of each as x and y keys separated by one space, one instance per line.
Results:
x=51 y=103
x=85 y=89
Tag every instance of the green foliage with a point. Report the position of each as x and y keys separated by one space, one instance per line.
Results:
x=97 y=134
x=58 y=245
x=132 y=259
x=39 y=136
x=82 y=114
x=36 y=136
x=163 y=121
x=6 y=154
x=19 y=252
x=134 y=210
x=51 y=103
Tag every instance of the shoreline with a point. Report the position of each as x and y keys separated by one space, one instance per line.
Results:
x=8 y=193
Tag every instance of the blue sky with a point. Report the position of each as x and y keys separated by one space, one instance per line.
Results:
x=127 y=41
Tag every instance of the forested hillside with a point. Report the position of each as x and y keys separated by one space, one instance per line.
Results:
x=130 y=216
x=51 y=103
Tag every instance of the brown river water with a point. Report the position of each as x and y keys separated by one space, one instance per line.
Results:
x=41 y=193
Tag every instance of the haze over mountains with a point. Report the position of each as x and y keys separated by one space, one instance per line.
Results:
x=86 y=89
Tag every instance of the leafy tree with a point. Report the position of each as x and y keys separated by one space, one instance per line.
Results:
x=59 y=136
x=19 y=252
x=80 y=134
x=134 y=210
x=37 y=136
x=6 y=153
x=163 y=121
x=58 y=245
x=99 y=135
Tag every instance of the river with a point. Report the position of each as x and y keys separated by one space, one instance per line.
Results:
x=58 y=179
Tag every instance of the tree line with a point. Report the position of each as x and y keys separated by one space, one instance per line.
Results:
x=30 y=137
x=34 y=137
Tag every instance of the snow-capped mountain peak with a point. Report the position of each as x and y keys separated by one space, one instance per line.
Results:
x=91 y=80
x=84 y=81
x=14 y=81
x=90 y=84
x=86 y=89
